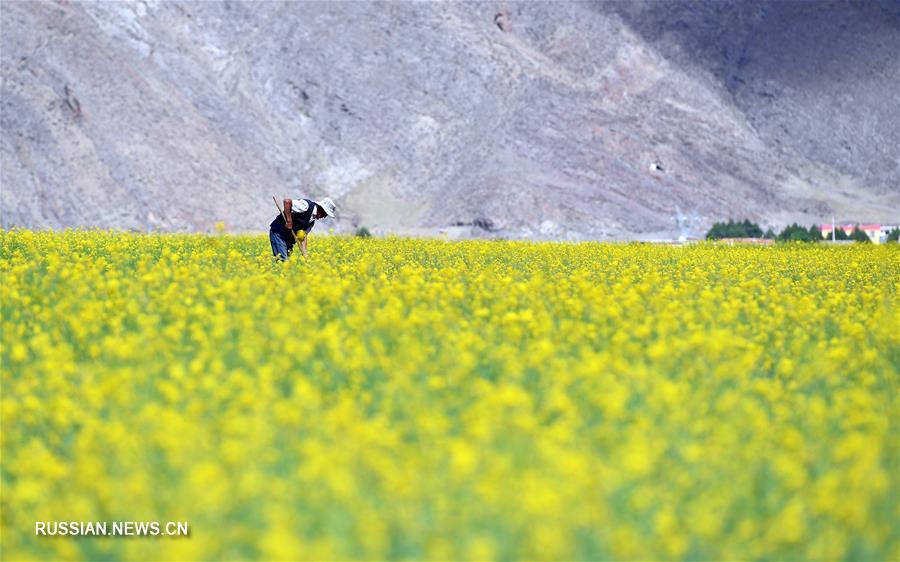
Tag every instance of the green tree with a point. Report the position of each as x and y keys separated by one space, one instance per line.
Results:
x=859 y=236
x=732 y=229
x=795 y=233
x=815 y=233
x=893 y=235
x=839 y=234
x=751 y=229
x=770 y=234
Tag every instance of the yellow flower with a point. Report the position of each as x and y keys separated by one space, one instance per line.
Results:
x=441 y=400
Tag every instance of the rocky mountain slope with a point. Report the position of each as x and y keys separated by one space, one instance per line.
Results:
x=540 y=119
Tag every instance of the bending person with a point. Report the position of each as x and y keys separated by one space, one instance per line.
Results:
x=302 y=215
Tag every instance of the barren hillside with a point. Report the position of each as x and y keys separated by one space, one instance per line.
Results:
x=538 y=119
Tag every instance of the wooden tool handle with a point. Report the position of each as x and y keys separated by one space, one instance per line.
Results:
x=280 y=210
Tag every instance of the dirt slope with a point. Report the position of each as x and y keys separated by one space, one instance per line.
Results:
x=419 y=116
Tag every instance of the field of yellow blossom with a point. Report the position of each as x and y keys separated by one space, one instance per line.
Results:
x=396 y=398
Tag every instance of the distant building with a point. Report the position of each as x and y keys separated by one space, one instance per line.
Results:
x=877 y=233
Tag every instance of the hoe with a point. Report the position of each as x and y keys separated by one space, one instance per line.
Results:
x=287 y=219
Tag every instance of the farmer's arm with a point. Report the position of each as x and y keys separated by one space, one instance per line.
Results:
x=305 y=235
x=303 y=244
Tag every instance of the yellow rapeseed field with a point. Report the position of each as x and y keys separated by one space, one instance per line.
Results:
x=403 y=398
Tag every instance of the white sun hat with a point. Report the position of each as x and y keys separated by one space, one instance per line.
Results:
x=327 y=205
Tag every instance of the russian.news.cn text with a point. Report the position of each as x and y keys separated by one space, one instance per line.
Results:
x=111 y=529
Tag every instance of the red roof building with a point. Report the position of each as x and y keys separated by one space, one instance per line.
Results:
x=876 y=232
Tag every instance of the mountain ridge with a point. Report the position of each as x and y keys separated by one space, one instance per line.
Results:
x=581 y=120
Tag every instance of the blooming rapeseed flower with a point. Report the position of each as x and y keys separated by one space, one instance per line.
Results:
x=423 y=399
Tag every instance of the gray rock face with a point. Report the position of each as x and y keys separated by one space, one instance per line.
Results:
x=539 y=119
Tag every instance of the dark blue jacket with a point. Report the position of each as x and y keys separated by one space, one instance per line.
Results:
x=301 y=221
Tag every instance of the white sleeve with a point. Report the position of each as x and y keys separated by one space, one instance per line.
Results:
x=299 y=205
